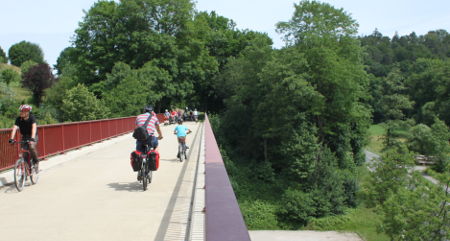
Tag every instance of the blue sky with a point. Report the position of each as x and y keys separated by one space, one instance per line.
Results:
x=51 y=23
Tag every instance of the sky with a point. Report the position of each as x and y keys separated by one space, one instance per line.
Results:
x=51 y=23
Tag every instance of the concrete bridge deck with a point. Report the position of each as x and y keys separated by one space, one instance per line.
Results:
x=93 y=194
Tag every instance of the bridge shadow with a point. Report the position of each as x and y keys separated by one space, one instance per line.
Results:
x=126 y=186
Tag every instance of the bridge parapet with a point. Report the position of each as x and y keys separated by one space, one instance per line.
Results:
x=224 y=221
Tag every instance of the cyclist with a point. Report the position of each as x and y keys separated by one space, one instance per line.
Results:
x=152 y=127
x=27 y=125
x=181 y=131
x=195 y=115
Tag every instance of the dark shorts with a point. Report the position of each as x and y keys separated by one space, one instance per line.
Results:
x=26 y=145
x=152 y=141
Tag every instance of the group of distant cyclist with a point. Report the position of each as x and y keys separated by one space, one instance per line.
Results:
x=26 y=124
x=175 y=115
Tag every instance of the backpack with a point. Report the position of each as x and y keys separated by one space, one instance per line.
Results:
x=140 y=133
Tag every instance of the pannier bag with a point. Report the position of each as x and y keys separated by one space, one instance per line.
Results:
x=153 y=158
x=135 y=160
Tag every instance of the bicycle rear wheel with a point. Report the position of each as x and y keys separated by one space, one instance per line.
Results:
x=180 y=152
x=143 y=174
x=19 y=174
x=34 y=173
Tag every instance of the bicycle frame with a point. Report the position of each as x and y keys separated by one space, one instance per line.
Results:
x=145 y=173
x=182 y=149
x=24 y=167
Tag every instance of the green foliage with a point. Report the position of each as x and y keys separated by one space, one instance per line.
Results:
x=297 y=207
x=363 y=221
x=428 y=88
x=393 y=102
x=417 y=212
x=3 y=58
x=23 y=51
x=313 y=19
x=131 y=90
x=9 y=76
x=55 y=95
x=432 y=142
x=260 y=214
x=133 y=32
x=80 y=105
x=26 y=66
x=390 y=174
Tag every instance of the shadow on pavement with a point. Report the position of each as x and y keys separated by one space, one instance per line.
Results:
x=126 y=186
x=170 y=160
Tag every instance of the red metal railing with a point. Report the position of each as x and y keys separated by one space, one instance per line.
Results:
x=59 y=138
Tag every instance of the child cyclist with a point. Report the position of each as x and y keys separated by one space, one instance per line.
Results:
x=181 y=131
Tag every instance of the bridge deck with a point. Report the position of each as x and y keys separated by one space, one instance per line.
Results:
x=92 y=194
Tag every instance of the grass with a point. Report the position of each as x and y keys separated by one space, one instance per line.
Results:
x=376 y=133
x=361 y=220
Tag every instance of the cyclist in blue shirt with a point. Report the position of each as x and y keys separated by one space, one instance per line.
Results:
x=181 y=131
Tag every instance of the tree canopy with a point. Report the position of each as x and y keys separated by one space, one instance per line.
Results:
x=23 y=51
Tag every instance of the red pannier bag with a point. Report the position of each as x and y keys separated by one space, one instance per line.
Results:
x=135 y=160
x=154 y=160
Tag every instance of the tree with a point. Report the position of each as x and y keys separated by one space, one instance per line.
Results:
x=37 y=79
x=394 y=101
x=80 y=105
x=55 y=95
x=3 y=58
x=131 y=90
x=390 y=174
x=428 y=83
x=26 y=66
x=314 y=20
x=133 y=32
x=9 y=76
x=417 y=211
x=23 y=51
x=325 y=36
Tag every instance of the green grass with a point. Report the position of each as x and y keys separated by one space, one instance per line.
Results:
x=376 y=133
x=362 y=220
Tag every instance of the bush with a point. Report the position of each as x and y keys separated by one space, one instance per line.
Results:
x=297 y=207
x=9 y=76
x=260 y=214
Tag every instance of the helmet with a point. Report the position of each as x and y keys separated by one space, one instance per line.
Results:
x=148 y=108
x=25 y=108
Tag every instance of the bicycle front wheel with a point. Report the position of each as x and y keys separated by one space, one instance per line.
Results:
x=149 y=176
x=34 y=174
x=20 y=174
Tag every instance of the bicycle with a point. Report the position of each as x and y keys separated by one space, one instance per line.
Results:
x=182 y=149
x=24 y=167
x=145 y=174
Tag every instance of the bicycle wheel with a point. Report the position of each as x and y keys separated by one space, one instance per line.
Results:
x=149 y=176
x=34 y=174
x=180 y=152
x=144 y=176
x=19 y=174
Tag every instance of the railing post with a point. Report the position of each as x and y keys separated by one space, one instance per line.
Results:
x=62 y=138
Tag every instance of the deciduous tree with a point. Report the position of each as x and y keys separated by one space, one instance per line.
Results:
x=23 y=51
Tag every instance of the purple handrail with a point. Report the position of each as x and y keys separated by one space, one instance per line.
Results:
x=224 y=221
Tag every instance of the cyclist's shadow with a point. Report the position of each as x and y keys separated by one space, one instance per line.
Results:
x=126 y=186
